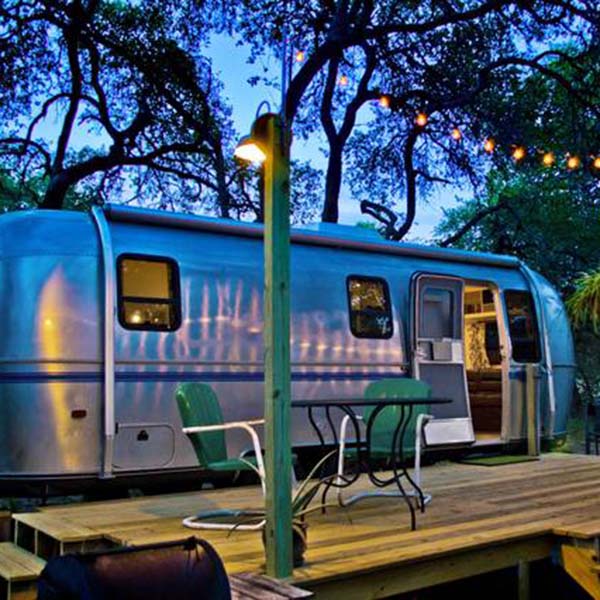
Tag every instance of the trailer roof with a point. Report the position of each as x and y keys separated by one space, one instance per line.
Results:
x=318 y=237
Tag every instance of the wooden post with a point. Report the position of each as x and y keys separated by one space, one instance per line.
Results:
x=524 y=580
x=278 y=456
x=532 y=411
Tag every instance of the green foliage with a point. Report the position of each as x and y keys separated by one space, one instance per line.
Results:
x=584 y=303
x=547 y=218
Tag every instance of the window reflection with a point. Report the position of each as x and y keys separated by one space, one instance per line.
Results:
x=370 y=310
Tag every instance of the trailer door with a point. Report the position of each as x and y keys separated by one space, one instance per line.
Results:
x=438 y=356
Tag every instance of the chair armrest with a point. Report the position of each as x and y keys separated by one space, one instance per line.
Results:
x=223 y=426
x=246 y=426
x=422 y=420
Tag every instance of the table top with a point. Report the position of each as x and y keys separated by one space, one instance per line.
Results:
x=308 y=402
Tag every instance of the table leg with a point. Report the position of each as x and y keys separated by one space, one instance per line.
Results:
x=398 y=449
x=399 y=439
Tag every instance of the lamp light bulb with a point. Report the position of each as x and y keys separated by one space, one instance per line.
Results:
x=573 y=162
x=299 y=56
x=456 y=134
x=248 y=150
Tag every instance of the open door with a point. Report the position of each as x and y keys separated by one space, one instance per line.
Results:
x=438 y=356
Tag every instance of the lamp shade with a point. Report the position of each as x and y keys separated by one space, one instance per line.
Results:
x=248 y=150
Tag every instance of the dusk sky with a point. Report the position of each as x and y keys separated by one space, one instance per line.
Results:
x=230 y=62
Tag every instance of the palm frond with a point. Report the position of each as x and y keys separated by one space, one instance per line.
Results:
x=584 y=303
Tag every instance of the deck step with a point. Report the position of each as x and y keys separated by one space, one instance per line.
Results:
x=19 y=571
x=47 y=535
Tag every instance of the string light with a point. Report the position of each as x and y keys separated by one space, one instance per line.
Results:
x=299 y=56
x=344 y=80
x=489 y=145
x=548 y=159
x=384 y=101
x=519 y=153
x=421 y=119
x=456 y=134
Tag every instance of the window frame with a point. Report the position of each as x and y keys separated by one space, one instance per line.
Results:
x=537 y=336
x=174 y=286
x=388 y=300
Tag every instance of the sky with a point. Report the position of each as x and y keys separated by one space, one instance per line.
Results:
x=230 y=63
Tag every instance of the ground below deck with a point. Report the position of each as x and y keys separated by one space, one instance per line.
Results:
x=479 y=517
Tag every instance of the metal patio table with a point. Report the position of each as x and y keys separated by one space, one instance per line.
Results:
x=348 y=406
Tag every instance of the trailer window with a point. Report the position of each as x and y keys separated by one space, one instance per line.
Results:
x=370 y=308
x=522 y=324
x=148 y=293
x=437 y=313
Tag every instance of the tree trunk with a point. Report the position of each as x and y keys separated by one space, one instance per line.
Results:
x=54 y=198
x=333 y=184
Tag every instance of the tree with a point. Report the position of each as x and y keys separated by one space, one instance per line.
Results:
x=547 y=214
x=450 y=59
x=139 y=110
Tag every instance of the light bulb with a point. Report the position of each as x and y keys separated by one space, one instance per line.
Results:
x=384 y=101
x=519 y=153
x=489 y=145
x=421 y=119
x=548 y=159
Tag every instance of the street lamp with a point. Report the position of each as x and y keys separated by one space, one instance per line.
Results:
x=269 y=143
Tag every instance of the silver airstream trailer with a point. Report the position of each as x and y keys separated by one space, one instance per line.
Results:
x=103 y=314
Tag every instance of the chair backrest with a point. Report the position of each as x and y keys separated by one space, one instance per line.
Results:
x=384 y=426
x=198 y=405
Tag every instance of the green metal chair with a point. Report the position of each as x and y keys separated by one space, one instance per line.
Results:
x=384 y=427
x=203 y=423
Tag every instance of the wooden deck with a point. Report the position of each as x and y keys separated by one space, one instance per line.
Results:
x=480 y=519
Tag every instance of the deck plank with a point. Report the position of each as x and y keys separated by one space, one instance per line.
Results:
x=474 y=509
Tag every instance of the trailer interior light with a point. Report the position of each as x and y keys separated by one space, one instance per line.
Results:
x=249 y=151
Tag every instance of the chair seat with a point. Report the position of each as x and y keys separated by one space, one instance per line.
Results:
x=233 y=464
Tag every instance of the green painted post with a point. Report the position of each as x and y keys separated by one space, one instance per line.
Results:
x=278 y=456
